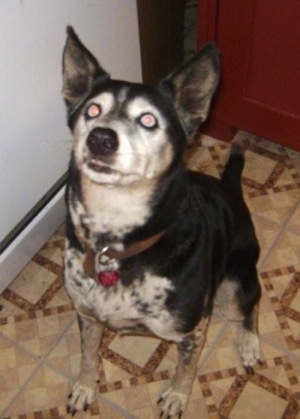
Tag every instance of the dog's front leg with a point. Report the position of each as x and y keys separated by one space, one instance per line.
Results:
x=84 y=389
x=174 y=399
x=79 y=286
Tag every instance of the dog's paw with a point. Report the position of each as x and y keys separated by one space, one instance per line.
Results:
x=80 y=398
x=172 y=403
x=249 y=349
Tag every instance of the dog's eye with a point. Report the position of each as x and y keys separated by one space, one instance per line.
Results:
x=147 y=120
x=93 y=110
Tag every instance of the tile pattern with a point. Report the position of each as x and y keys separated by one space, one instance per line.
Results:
x=39 y=339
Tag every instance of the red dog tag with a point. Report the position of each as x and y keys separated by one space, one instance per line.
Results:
x=108 y=278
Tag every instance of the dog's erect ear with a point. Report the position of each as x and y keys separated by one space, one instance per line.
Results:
x=192 y=86
x=80 y=70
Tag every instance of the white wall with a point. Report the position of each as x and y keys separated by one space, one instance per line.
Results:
x=34 y=141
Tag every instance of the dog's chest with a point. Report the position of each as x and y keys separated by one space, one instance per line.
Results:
x=135 y=308
x=115 y=210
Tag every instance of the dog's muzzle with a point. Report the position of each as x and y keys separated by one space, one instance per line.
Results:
x=102 y=142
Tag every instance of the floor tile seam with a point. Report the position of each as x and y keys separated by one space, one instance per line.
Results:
x=212 y=347
x=281 y=228
x=69 y=379
x=46 y=359
x=280 y=233
x=59 y=338
x=22 y=348
x=41 y=361
x=283 y=349
x=34 y=355
x=265 y=218
x=22 y=388
x=118 y=408
x=293 y=212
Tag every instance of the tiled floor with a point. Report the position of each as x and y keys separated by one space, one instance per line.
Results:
x=39 y=340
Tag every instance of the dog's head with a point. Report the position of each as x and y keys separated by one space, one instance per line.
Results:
x=128 y=132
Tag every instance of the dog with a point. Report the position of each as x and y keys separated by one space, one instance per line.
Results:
x=151 y=247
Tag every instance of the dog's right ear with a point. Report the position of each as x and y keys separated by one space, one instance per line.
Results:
x=191 y=87
x=80 y=70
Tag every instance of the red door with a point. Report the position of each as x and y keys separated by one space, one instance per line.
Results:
x=259 y=43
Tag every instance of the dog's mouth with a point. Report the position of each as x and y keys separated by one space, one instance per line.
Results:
x=98 y=166
x=102 y=172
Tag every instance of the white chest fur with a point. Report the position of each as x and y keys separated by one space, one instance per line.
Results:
x=116 y=209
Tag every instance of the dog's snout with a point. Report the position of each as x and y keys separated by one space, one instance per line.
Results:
x=102 y=141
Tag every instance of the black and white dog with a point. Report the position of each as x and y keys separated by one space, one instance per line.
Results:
x=150 y=245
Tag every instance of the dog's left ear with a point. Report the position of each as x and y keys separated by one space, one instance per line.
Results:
x=80 y=70
x=192 y=86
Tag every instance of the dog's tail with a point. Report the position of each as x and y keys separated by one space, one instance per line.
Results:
x=234 y=167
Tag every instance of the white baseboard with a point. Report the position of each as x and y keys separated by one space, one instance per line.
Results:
x=31 y=239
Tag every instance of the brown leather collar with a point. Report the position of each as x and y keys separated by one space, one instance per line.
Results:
x=134 y=248
x=131 y=250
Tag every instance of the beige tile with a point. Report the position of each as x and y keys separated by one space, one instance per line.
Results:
x=32 y=282
x=295 y=157
x=16 y=366
x=197 y=407
x=53 y=254
x=46 y=390
x=60 y=298
x=277 y=374
x=266 y=231
x=214 y=329
x=39 y=334
x=250 y=402
x=258 y=167
x=224 y=355
x=108 y=412
x=46 y=396
x=220 y=388
x=209 y=157
x=113 y=372
x=9 y=309
x=285 y=199
x=137 y=397
x=294 y=327
x=66 y=355
x=135 y=348
x=281 y=283
x=294 y=222
x=169 y=362
x=117 y=397
x=145 y=413
x=276 y=207
x=285 y=252
x=286 y=178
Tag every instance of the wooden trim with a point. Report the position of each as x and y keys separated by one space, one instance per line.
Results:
x=207 y=21
x=161 y=37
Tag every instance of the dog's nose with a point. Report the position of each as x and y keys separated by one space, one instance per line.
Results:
x=102 y=141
